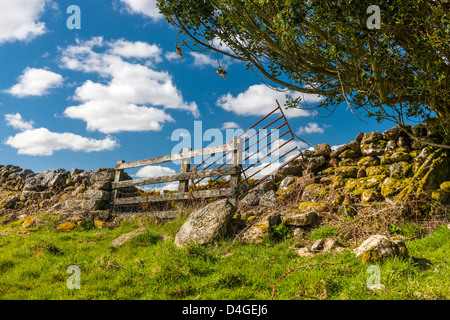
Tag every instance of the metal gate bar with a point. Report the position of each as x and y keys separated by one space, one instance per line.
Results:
x=259 y=161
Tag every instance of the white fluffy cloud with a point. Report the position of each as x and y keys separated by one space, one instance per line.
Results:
x=259 y=100
x=16 y=121
x=19 y=20
x=111 y=117
x=154 y=171
x=312 y=127
x=136 y=96
x=42 y=142
x=138 y=49
x=230 y=125
x=35 y=82
x=202 y=60
x=144 y=7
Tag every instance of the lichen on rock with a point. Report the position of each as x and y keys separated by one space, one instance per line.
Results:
x=378 y=247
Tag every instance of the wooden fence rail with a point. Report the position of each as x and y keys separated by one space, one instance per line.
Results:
x=235 y=147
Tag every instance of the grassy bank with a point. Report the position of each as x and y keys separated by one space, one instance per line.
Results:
x=34 y=262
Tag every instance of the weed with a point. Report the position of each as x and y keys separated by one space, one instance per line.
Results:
x=279 y=233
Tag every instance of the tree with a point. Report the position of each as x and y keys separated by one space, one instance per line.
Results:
x=325 y=47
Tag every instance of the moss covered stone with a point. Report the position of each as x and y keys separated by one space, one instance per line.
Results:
x=368 y=161
x=361 y=173
x=328 y=171
x=370 y=196
x=401 y=169
x=414 y=154
x=434 y=170
x=347 y=172
x=348 y=162
x=323 y=149
x=358 y=186
x=338 y=182
x=392 y=186
x=442 y=196
x=307 y=206
x=445 y=185
x=120 y=241
x=370 y=137
x=350 y=153
x=376 y=148
x=99 y=224
x=261 y=229
x=378 y=247
x=299 y=219
x=398 y=156
x=67 y=226
x=314 y=192
x=338 y=199
x=346 y=209
x=377 y=170
x=29 y=222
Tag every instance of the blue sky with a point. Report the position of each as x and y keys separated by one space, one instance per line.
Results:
x=116 y=90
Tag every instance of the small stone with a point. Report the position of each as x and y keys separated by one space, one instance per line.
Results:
x=359 y=137
x=404 y=142
x=350 y=153
x=317 y=245
x=361 y=173
x=298 y=233
x=286 y=182
x=269 y=199
x=323 y=149
x=251 y=199
x=335 y=153
x=316 y=163
x=329 y=245
x=376 y=148
x=206 y=224
x=93 y=204
x=394 y=133
x=266 y=186
x=355 y=146
x=67 y=226
x=378 y=247
x=261 y=229
x=97 y=194
x=314 y=192
x=99 y=224
x=120 y=241
x=292 y=170
x=371 y=137
x=103 y=185
x=304 y=252
x=298 y=219
x=347 y=172
x=370 y=196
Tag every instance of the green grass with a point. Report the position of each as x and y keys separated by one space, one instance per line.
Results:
x=34 y=266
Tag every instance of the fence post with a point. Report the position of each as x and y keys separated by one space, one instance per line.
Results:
x=118 y=177
x=236 y=162
x=185 y=167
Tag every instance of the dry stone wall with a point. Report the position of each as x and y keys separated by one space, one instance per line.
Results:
x=77 y=189
x=373 y=167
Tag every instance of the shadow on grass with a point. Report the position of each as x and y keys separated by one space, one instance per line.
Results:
x=421 y=263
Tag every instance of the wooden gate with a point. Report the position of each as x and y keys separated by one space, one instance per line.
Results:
x=235 y=147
